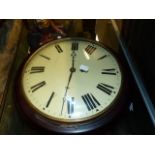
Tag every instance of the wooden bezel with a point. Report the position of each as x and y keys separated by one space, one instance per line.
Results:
x=72 y=127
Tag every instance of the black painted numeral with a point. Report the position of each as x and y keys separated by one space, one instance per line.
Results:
x=58 y=48
x=49 y=101
x=105 y=88
x=111 y=71
x=102 y=57
x=37 y=69
x=43 y=56
x=75 y=46
x=90 y=101
x=37 y=86
x=90 y=49
x=70 y=106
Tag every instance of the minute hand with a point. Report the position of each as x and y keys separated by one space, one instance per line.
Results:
x=72 y=70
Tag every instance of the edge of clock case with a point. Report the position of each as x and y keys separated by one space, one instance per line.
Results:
x=77 y=127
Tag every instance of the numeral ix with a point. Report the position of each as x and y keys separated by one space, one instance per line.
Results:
x=37 y=69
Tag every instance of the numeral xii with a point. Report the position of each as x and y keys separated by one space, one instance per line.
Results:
x=75 y=46
x=111 y=71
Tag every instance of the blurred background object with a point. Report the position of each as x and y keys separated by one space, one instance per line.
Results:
x=105 y=33
x=41 y=31
x=9 y=37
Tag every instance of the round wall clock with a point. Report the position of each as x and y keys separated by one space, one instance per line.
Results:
x=71 y=85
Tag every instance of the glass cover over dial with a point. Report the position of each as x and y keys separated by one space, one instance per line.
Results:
x=71 y=80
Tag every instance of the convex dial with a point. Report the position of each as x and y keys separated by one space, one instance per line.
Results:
x=71 y=80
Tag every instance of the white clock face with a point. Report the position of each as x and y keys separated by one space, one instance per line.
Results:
x=71 y=80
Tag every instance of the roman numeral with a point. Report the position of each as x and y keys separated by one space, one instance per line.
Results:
x=90 y=49
x=37 y=86
x=102 y=57
x=58 y=48
x=43 y=56
x=70 y=106
x=111 y=71
x=49 y=101
x=90 y=102
x=75 y=46
x=105 y=88
x=37 y=69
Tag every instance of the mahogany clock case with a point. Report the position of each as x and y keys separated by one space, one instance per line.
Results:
x=78 y=127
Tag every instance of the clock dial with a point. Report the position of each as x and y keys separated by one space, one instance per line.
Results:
x=71 y=80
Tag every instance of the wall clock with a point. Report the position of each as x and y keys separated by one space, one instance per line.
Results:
x=71 y=85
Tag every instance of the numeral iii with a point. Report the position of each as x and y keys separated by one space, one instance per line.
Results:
x=111 y=71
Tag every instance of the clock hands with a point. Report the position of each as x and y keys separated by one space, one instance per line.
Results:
x=72 y=70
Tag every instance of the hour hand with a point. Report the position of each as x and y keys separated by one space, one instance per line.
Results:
x=74 y=47
x=67 y=87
